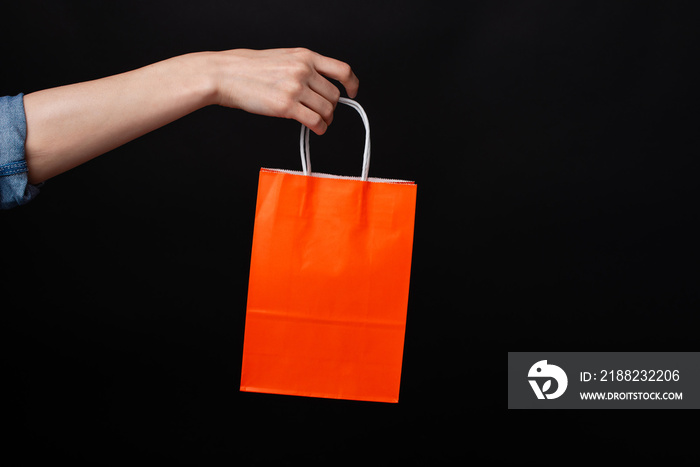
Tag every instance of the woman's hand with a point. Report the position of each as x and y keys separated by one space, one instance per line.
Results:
x=69 y=125
x=288 y=83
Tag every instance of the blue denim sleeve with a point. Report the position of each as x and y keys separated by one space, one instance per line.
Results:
x=15 y=189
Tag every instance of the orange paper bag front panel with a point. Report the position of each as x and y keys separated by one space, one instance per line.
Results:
x=328 y=288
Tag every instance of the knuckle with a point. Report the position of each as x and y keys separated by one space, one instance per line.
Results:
x=317 y=121
x=300 y=70
x=285 y=107
x=328 y=112
x=346 y=71
x=302 y=54
x=336 y=95
x=294 y=87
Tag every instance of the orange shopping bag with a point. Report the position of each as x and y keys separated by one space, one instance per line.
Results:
x=329 y=278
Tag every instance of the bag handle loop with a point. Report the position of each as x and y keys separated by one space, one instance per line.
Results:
x=304 y=141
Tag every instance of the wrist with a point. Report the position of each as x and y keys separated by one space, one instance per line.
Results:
x=201 y=76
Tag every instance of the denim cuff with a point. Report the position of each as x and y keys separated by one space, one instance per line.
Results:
x=15 y=189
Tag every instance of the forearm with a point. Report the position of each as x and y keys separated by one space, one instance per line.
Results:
x=69 y=125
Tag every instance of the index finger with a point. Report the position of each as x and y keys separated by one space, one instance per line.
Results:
x=337 y=70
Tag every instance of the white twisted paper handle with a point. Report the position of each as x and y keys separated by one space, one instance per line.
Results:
x=304 y=141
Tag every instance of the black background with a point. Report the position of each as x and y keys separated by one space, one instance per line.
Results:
x=554 y=145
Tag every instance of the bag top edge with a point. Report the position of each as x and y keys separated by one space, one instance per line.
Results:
x=341 y=177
